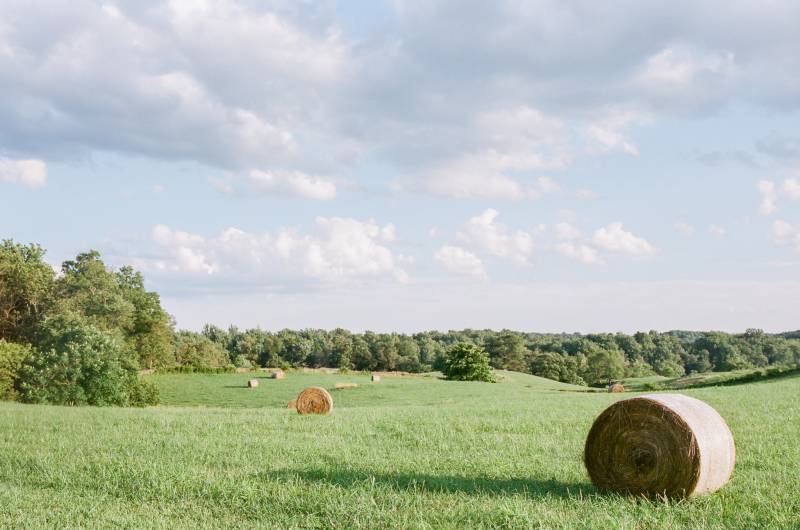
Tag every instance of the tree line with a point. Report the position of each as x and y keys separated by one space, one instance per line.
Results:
x=82 y=334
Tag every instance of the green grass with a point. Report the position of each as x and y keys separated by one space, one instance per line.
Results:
x=707 y=379
x=406 y=453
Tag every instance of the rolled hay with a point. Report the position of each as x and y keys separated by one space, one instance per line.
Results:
x=343 y=386
x=253 y=383
x=278 y=374
x=292 y=404
x=616 y=388
x=660 y=444
x=376 y=378
x=314 y=400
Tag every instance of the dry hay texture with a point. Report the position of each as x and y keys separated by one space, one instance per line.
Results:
x=660 y=444
x=616 y=388
x=279 y=374
x=253 y=383
x=314 y=400
x=292 y=404
x=376 y=378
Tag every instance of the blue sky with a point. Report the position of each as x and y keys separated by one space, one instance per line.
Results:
x=546 y=166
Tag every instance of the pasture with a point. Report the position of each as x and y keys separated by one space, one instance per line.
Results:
x=409 y=452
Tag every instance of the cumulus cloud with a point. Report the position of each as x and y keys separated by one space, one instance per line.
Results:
x=615 y=238
x=460 y=261
x=337 y=250
x=784 y=233
x=500 y=144
x=583 y=253
x=684 y=228
x=565 y=230
x=791 y=187
x=768 y=197
x=286 y=183
x=30 y=173
x=717 y=231
x=485 y=233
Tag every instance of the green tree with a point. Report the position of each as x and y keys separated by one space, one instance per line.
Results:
x=467 y=362
x=76 y=363
x=604 y=365
x=507 y=351
x=199 y=353
x=12 y=356
x=26 y=285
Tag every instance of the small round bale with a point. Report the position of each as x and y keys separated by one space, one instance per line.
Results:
x=292 y=404
x=660 y=444
x=253 y=383
x=314 y=400
x=278 y=374
x=376 y=378
x=616 y=388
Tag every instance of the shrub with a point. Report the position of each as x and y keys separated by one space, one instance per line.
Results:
x=78 y=364
x=11 y=358
x=467 y=362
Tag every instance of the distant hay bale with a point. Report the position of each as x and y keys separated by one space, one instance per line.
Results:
x=616 y=388
x=253 y=383
x=292 y=404
x=376 y=378
x=660 y=444
x=314 y=400
x=343 y=386
x=278 y=374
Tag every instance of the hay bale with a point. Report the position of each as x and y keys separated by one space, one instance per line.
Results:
x=253 y=383
x=616 y=388
x=292 y=404
x=376 y=378
x=660 y=444
x=314 y=400
x=278 y=374
x=343 y=386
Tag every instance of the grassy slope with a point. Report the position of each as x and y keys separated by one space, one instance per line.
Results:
x=407 y=453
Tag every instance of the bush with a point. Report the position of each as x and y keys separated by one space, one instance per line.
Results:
x=78 y=364
x=467 y=362
x=11 y=358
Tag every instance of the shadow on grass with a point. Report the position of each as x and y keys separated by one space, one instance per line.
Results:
x=529 y=487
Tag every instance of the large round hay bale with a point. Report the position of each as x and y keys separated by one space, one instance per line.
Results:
x=660 y=444
x=253 y=383
x=278 y=374
x=376 y=378
x=314 y=400
x=616 y=388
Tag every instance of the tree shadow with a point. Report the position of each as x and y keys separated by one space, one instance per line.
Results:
x=529 y=487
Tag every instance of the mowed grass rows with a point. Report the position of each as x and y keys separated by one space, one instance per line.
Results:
x=404 y=453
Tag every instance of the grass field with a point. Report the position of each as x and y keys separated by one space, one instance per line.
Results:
x=412 y=452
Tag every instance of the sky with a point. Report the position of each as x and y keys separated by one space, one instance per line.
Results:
x=552 y=166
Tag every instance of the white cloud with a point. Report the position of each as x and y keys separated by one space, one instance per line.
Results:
x=505 y=141
x=290 y=183
x=460 y=261
x=482 y=231
x=769 y=197
x=30 y=173
x=613 y=237
x=791 y=187
x=717 y=231
x=784 y=233
x=684 y=228
x=583 y=253
x=565 y=230
x=338 y=250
